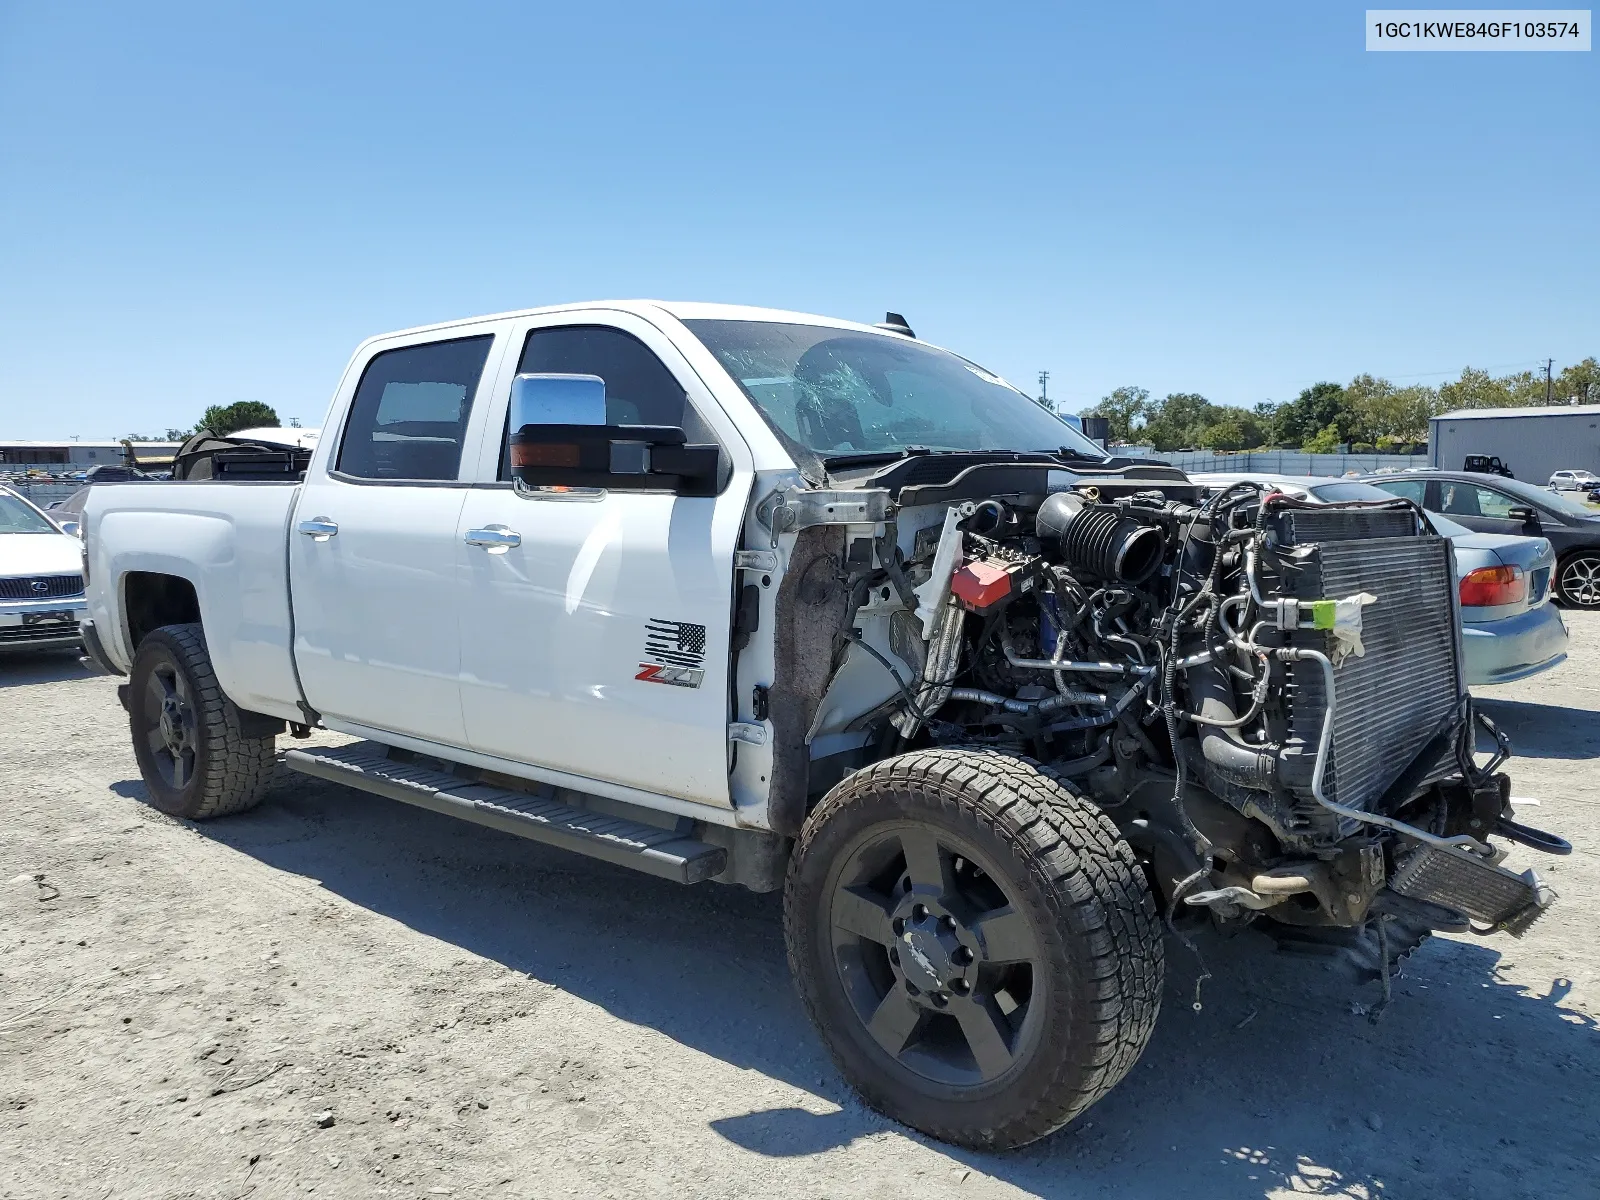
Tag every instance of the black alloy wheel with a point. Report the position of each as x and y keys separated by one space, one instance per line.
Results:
x=975 y=943
x=937 y=963
x=172 y=738
x=197 y=753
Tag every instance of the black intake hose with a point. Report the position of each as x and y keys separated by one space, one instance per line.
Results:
x=1102 y=539
x=1213 y=697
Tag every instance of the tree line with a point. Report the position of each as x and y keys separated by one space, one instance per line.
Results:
x=1368 y=413
x=220 y=419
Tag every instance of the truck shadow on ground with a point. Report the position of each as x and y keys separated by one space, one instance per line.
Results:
x=1544 y=730
x=22 y=668
x=1469 y=1081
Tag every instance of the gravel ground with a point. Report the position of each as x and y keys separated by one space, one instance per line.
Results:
x=342 y=995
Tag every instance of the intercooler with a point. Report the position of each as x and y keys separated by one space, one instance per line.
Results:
x=1397 y=696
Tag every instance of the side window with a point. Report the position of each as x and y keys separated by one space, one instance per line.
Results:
x=410 y=411
x=1496 y=504
x=639 y=388
x=1407 y=489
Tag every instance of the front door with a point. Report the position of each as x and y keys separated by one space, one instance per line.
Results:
x=595 y=632
x=373 y=549
x=1486 y=509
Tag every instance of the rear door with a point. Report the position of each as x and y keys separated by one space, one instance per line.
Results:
x=373 y=543
x=595 y=627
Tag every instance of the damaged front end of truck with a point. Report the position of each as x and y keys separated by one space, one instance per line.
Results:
x=1265 y=696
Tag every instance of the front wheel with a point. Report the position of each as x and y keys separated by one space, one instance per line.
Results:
x=1578 y=580
x=194 y=754
x=976 y=944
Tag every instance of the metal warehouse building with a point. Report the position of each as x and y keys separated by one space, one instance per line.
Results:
x=72 y=455
x=1532 y=442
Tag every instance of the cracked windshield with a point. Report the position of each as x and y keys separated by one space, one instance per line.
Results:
x=835 y=392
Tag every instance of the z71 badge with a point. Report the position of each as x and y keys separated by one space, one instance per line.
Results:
x=674 y=652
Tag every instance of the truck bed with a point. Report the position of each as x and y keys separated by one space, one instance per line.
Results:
x=227 y=539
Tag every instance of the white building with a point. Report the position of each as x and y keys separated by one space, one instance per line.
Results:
x=1533 y=442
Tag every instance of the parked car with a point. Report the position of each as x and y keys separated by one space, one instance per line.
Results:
x=1574 y=481
x=41 y=578
x=786 y=601
x=1513 y=506
x=1509 y=628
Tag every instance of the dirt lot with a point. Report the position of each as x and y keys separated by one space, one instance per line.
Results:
x=342 y=995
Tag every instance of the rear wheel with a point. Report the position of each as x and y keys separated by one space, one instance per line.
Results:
x=1578 y=580
x=975 y=943
x=196 y=760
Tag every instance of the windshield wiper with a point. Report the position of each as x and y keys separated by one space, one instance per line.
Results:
x=1071 y=454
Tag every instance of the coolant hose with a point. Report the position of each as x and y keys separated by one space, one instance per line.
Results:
x=1236 y=762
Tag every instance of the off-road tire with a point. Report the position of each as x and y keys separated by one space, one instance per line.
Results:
x=1065 y=865
x=231 y=770
x=1575 y=584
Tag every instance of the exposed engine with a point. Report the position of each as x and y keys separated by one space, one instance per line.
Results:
x=1264 y=694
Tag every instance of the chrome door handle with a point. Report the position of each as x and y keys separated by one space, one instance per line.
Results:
x=318 y=528
x=494 y=537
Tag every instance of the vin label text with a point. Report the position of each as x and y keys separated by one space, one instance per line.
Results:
x=1478 y=29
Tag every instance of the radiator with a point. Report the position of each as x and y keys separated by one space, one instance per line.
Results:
x=1394 y=699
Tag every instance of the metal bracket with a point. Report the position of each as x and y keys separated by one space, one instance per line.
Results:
x=799 y=508
x=755 y=560
x=748 y=732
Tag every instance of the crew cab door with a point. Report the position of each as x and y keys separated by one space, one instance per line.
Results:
x=595 y=627
x=373 y=540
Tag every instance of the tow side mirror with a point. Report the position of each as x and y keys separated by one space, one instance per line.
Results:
x=560 y=440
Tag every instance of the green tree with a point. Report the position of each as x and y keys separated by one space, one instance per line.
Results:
x=1475 y=389
x=1581 y=381
x=246 y=414
x=177 y=435
x=1366 y=401
x=1326 y=441
x=1179 y=420
x=1228 y=432
x=1304 y=417
x=1267 y=415
x=1125 y=409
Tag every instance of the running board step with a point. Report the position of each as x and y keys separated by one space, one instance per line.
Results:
x=665 y=853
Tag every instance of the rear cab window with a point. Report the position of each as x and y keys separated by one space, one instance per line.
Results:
x=408 y=418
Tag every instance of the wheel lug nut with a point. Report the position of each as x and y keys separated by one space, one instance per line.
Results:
x=912 y=988
x=894 y=956
x=947 y=923
x=960 y=987
x=899 y=926
x=919 y=913
x=939 y=999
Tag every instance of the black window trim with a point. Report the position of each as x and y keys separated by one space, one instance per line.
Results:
x=462 y=465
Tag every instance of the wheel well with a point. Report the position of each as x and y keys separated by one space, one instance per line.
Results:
x=151 y=600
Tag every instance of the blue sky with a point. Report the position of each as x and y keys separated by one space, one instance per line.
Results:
x=204 y=203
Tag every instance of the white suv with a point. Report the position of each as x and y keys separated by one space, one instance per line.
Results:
x=1573 y=481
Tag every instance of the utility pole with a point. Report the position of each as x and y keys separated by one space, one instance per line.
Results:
x=1548 y=363
x=1044 y=389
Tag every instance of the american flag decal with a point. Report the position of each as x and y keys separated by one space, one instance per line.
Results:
x=677 y=653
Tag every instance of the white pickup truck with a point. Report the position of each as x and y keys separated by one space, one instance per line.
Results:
x=741 y=595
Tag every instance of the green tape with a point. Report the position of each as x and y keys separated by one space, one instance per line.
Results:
x=1322 y=613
